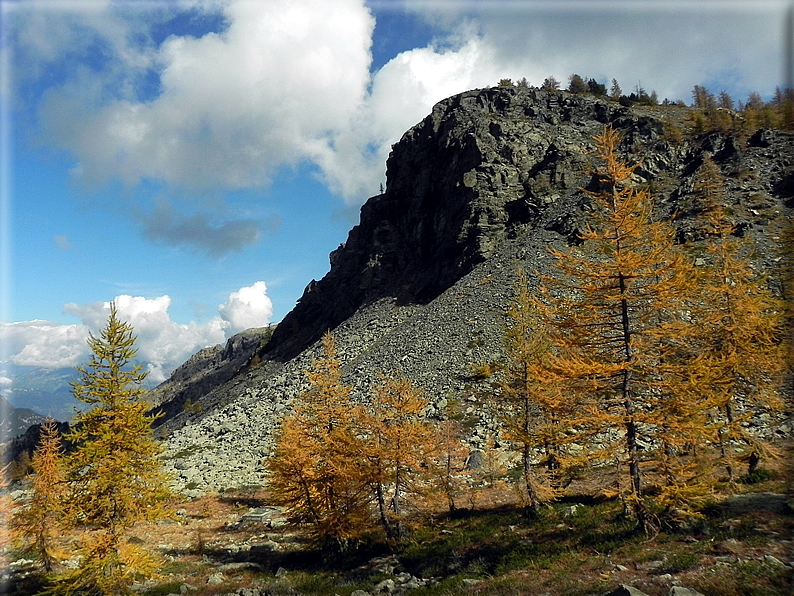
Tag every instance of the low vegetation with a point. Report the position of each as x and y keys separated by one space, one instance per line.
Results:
x=574 y=547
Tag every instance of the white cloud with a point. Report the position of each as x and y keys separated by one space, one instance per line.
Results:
x=666 y=45
x=233 y=106
x=246 y=308
x=285 y=81
x=5 y=385
x=162 y=344
x=403 y=92
x=42 y=343
x=489 y=41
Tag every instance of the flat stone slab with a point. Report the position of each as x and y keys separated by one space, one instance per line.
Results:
x=270 y=516
x=749 y=502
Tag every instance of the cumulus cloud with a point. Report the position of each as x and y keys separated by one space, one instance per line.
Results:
x=42 y=343
x=735 y=44
x=162 y=343
x=402 y=93
x=246 y=308
x=281 y=82
x=233 y=106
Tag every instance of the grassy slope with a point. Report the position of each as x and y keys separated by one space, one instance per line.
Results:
x=501 y=552
x=491 y=549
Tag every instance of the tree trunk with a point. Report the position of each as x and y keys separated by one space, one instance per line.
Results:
x=399 y=530
x=448 y=489
x=628 y=404
x=526 y=451
x=533 y=508
x=384 y=518
x=752 y=464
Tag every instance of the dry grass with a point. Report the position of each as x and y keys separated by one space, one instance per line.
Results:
x=489 y=542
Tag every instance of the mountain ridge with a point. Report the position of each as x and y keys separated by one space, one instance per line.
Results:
x=479 y=188
x=442 y=213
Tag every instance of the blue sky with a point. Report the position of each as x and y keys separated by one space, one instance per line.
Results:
x=197 y=160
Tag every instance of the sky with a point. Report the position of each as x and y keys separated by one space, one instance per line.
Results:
x=197 y=160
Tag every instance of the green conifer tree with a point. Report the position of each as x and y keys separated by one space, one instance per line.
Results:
x=114 y=473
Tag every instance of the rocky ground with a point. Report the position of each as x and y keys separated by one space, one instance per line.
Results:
x=236 y=544
x=437 y=345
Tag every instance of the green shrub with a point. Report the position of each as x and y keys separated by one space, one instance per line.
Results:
x=758 y=476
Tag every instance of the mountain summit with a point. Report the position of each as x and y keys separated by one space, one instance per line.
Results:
x=485 y=184
x=481 y=165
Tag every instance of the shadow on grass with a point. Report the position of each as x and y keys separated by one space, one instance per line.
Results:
x=494 y=541
x=243 y=501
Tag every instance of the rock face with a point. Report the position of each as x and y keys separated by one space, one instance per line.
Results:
x=482 y=186
x=205 y=370
x=458 y=183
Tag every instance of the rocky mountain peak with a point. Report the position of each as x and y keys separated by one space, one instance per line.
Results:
x=459 y=182
x=485 y=184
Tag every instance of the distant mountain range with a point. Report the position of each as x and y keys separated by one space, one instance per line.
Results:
x=15 y=421
x=46 y=391
x=35 y=394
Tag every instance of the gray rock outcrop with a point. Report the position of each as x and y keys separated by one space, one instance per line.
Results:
x=206 y=369
x=484 y=185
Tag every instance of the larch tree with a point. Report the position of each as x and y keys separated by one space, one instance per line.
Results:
x=399 y=449
x=615 y=321
x=449 y=467
x=314 y=470
x=534 y=414
x=114 y=474
x=742 y=328
x=39 y=519
x=709 y=191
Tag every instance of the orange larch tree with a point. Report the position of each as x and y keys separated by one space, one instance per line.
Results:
x=450 y=469
x=314 y=470
x=399 y=451
x=38 y=520
x=618 y=330
x=534 y=414
x=742 y=328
